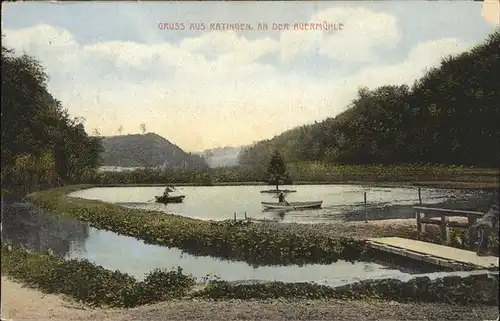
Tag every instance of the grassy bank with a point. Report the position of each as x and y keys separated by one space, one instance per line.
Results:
x=97 y=286
x=220 y=239
x=315 y=173
x=474 y=289
x=255 y=243
x=89 y=283
x=433 y=184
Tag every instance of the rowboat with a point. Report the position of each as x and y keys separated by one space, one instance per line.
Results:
x=169 y=199
x=292 y=205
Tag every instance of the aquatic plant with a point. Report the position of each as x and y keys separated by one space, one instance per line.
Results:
x=90 y=283
x=473 y=289
x=219 y=239
x=97 y=286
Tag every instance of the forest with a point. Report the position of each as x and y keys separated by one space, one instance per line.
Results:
x=42 y=145
x=448 y=116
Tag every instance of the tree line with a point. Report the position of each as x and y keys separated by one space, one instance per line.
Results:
x=448 y=116
x=42 y=145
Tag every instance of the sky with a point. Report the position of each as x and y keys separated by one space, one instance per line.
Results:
x=123 y=64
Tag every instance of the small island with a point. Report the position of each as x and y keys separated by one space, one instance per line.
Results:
x=277 y=191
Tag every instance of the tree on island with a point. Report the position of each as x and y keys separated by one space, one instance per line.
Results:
x=276 y=171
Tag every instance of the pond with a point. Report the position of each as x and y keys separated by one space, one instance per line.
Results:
x=67 y=238
x=340 y=202
x=39 y=231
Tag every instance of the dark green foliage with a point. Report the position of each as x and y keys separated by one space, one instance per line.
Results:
x=448 y=116
x=219 y=239
x=313 y=172
x=460 y=239
x=476 y=289
x=149 y=150
x=41 y=145
x=276 y=171
x=90 y=283
x=152 y=176
x=97 y=286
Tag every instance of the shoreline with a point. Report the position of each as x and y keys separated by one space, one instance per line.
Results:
x=309 y=238
x=228 y=239
x=393 y=184
x=23 y=303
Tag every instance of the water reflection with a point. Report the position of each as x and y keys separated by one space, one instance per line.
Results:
x=24 y=224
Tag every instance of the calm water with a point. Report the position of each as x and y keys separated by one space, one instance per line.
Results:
x=67 y=238
x=340 y=202
x=23 y=224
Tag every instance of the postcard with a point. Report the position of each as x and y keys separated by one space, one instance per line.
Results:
x=250 y=160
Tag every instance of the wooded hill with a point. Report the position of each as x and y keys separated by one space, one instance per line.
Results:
x=448 y=116
x=41 y=144
x=148 y=150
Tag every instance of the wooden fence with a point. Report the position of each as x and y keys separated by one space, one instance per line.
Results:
x=428 y=215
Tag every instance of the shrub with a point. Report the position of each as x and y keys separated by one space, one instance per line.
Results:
x=220 y=239
x=474 y=289
x=90 y=283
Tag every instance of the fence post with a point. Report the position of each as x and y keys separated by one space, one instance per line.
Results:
x=442 y=228
x=419 y=225
x=366 y=210
x=235 y=216
x=448 y=232
x=422 y=228
x=473 y=240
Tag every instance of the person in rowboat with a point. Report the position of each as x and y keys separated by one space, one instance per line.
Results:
x=281 y=199
x=165 y=193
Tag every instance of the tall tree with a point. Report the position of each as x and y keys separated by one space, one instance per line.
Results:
x=276 y=171
x=120 y=130
x=41 y=143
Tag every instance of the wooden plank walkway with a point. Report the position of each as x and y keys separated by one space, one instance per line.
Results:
x=433 y=253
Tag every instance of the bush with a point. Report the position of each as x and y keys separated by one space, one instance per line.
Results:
x=90 y=283
x=460 y=239
x=220 y=239
x=97 y=286
x=474 y=289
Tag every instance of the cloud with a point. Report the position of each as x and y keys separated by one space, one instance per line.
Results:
x=365 y=34
x=422 y=56
x=213 y=89
x=229 y=47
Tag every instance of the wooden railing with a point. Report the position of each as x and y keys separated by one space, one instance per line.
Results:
x=430 y=214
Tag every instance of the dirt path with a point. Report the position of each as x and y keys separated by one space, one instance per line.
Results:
x=21 y=303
